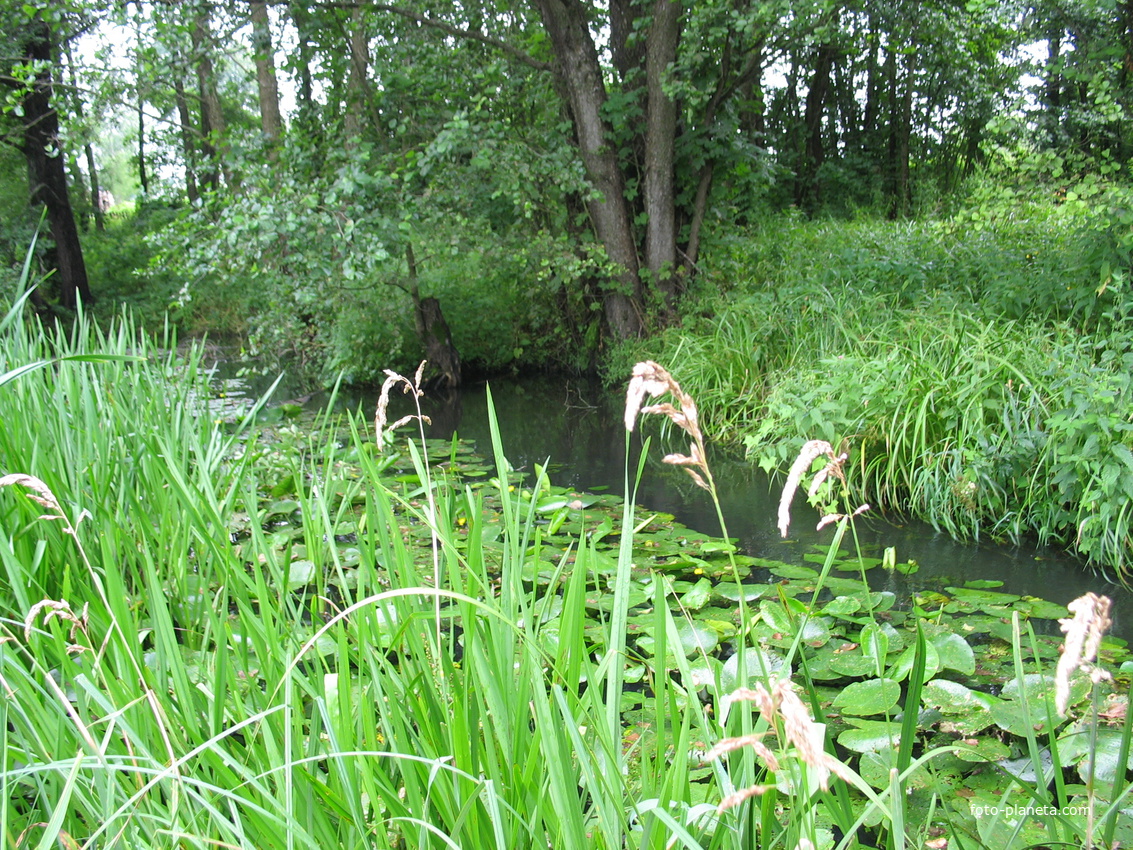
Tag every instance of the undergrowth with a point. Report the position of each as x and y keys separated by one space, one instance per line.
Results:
x=980 y=373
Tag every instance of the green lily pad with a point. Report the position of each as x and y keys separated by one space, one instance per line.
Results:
x=954 y=653
x=982 y=749
x=842 y=606
x=852 y=662
x=698 y=596
x=870 y=736
x=1074 y=746
x=965 y=711
x=746 y=592
x=874 y=696
x=759 y=664
x=903 y=666
x=792 y=571
x=301 y=573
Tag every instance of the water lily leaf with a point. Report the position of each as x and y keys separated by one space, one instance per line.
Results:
x=694 y=639
x=981 y=749
x=870 y=736
x=301 y=573
x=903 y=666
x=698 y=596
x=874 y=696
x=1041 y=609
x=1074 y=748
x=284 y=507
x=759 y=664
x=852 y=662
x=842 y=606
x=793 y=571
x=983 y=583
x=747 y=592
x=965 y=711
x=954 y=653
x=874 y=768
x=715 y=546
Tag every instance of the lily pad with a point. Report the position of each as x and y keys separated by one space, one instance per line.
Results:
x=760 y=665
x=870 y=736
x=874 y=696
x=965 y=711
x=954 y=653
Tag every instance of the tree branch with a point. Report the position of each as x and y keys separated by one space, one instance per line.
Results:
x=424 y=20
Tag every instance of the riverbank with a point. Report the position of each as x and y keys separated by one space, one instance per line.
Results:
x=311 y=636
x=979 y=377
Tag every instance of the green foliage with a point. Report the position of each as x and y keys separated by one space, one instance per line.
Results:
x=976 y=367
x=267 y=637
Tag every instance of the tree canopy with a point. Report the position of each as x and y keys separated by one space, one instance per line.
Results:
x=331 y=150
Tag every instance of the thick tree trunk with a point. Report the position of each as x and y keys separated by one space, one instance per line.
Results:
x=660 y=138
x=46 y=173
x=576 y=63
x=807 y=194
x=270 y=121
x=356 y=80
x=432 y=330
x=213 y=125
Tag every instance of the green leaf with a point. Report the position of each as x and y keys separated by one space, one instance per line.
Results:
x=875 y=696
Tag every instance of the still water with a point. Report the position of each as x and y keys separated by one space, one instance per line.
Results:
x=577 y=426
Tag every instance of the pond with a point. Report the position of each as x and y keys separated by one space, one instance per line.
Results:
x=577 y=425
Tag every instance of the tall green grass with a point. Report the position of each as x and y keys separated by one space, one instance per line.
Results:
x=982 y=381
x=174 y=675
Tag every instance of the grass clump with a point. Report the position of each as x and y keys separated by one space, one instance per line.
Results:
x=215 y=633
x=979 y=378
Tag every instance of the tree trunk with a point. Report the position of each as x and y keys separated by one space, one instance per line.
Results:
x=900 y=134
x=1052 y=87
x=213 y=125
x=47 y=177
x=270 y=121
x=580 y=73
x=88 y=151
x=190 y=150
x=432 y=330
x=807 y=194
x=660 y=138
x=143 y=177
x=356 y=80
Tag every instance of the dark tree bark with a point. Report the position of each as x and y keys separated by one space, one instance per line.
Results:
x=213 y=124
x=580 y=75
x=270 y=121
x=807 y=194
x=46 y=172
x=356 y=79
x=660 y=140
x=190 y=149
x=143 y=175
x=900 y=133
x=88 y=151
x=433 y=331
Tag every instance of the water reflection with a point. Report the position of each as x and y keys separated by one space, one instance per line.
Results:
x=579 y=427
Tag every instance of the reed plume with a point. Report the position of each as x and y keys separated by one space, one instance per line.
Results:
x=1084 y=633
x=654 y=380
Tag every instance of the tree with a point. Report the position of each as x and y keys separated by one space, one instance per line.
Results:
x=30 y=77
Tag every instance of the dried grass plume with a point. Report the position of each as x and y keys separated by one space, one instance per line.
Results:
x=381 y=430
x=1084 y=633
x=788 y=716
x=652 y=379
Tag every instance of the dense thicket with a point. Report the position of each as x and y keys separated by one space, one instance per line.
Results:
x=338 y=164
